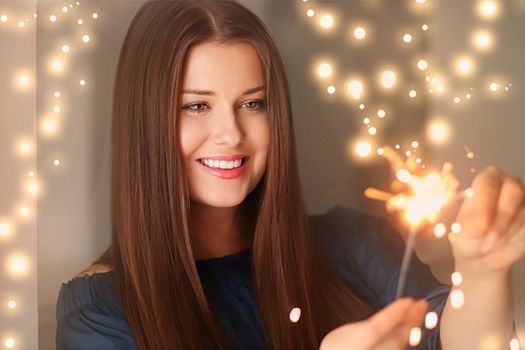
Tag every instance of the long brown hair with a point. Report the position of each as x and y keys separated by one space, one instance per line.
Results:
x=154 y=272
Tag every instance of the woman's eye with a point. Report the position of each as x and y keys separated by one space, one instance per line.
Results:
x=191 y=107
x=198 y=108
x=255 y=104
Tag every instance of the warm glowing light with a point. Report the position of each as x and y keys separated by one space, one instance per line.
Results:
x=33 y=188
x=363 y=149
x=422 y=64
x=295 y=314
x=388 y=79
x=483 y=40
x=326 y=21
x=94 y=15
x=18 y=264
x=366 y=121
x=11 y=304
x=488 y=8
x=469 y=193
x=457 y=298
x=65 y=48
x=415 y=336
x=380 y=151
x=23 y=80
x=407 y=38
x=64 y=9
x=355 y=88
x=24 y=211
x=53 y=18
x=56 y=162
x=493 y=86
x=464 y=65
x=372 y=131
x=330 y=89
x=4 y=228
x=457 y=100
x=415 y=144
x=424 y=27
x=403 y=175
x=421 y=1
x=431 y=320
x=359 y=33
x=440 y=230
x=361 y=106
x=25 y=147
x=56 y=109
x=456 y=278
x=80 y=21
x=514 y=344
x=3 y=18
x=456 y=227
x=381 y=113
x=21 y=24
x=324 y=70
x=49 y=125
x=9 y=343
x=86 y=38
x=56 y=94
x=57 y=65
x=439 y=131
x=429 y=194
x=82 y=82
x=412 y=93
x=31 y=174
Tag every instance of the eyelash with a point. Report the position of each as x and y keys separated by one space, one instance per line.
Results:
x=261 y=104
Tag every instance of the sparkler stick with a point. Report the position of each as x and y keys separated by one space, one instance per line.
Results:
x=406 y=262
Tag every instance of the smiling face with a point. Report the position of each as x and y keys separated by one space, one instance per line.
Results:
x=223 y=113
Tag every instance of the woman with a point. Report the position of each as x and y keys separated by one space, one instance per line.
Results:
x=204 y=258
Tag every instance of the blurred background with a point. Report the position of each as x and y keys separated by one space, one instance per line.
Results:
x=437 y=81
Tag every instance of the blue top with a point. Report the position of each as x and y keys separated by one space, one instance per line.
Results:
x=89 y=315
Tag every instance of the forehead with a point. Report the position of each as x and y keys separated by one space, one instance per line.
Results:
x=229 y=67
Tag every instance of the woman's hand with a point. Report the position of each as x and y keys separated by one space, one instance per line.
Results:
x=388 y=329
x=492 y=222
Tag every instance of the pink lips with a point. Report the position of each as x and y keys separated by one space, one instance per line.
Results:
x=225 y=173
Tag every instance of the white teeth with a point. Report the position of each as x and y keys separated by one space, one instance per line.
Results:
x=223 y=164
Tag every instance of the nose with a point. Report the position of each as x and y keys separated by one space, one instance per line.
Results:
x=227 y=129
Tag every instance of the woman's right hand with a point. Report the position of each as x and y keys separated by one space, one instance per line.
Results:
x=388 y=329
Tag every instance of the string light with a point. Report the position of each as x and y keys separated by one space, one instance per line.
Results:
x=295 y=314
x=431 y=320
x=407 y=38
x=415 y=336
x=359 y=33
x=388 y=79
x=324 y=70
x=412 y=93
x=457 y=298
x=330 y=89
x=440 y=230
x=53 y=18
x=363 y=149
x=355 y=88
x=326 y=21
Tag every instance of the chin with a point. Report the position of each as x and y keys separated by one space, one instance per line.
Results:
x=220 y=202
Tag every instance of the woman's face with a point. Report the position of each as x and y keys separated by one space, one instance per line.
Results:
x=223 y=113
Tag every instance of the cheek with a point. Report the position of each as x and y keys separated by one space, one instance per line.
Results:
x=190 y=137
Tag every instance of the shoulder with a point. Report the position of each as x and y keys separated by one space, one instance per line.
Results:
x=88 y=314
x=95 y=268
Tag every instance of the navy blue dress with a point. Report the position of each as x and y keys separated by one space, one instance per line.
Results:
x=89 y=315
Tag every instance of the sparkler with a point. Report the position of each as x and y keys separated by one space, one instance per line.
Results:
x=422 y=200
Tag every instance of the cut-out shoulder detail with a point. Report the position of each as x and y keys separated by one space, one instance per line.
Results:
x=93 y=269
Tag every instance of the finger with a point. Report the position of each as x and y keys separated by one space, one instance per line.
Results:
x=376 y=327
x=508 y=254
x=390 y=317
x=399 y=337
x=477 y=212
x=517 y=225
x=508 y=204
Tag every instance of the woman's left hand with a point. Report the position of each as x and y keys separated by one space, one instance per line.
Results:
x=492 y=223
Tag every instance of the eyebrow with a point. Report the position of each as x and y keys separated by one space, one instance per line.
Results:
x=211 y=93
